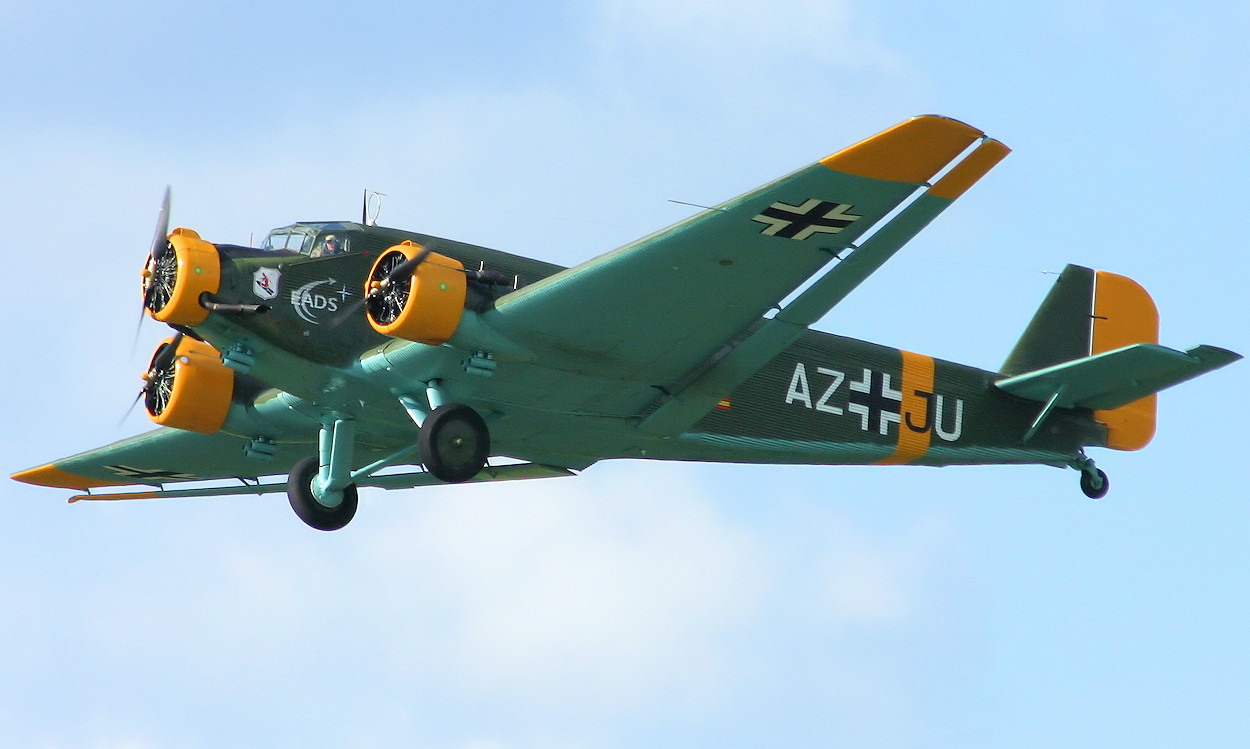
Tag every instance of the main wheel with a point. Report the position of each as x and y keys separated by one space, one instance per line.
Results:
x=1095 y=489
x=454 y=443
x=305 y=504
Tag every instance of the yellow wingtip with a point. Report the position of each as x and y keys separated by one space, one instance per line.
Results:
x=52 y=476
x=911 y=151
x=966 y=173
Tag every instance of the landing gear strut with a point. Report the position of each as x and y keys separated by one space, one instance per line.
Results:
x=453 y=440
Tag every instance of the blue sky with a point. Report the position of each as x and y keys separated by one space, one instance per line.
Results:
x=640 y=603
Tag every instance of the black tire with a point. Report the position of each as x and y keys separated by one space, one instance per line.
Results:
x=1087 y=484
x=454 y=443
x=312 y=512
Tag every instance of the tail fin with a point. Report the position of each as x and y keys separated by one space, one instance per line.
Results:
x=1060 y=330
x=1094 y=344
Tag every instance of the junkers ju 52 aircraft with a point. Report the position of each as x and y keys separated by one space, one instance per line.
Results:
x=337 y=351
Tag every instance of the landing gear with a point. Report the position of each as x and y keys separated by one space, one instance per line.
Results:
x=454 y=443
x=333 y=510
x=321 y=489
x=1093 y=481
x=1095 y=484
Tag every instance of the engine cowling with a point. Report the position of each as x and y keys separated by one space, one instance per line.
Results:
x=425 y=307
x=188 y=268
x=192 y=390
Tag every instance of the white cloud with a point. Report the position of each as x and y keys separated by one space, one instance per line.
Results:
x=873 y=583
x=601 y=592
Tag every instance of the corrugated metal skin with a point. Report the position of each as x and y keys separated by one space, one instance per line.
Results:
x=832 y=399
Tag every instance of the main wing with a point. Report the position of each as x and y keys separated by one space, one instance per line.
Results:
x=166 y=456
x=657 y=310
x=173 y=456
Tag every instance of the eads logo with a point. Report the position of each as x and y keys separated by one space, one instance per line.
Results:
x=312 y=300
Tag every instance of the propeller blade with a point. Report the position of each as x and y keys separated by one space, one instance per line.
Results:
x=133 y=403
x=399 y=273
x=160 y=241
x=165 y=354
x=404 y=270
x=160 y=238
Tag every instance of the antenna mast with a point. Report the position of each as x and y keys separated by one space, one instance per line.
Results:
x=377 y=207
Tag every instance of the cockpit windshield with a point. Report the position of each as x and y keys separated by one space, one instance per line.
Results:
x=292 y=240
x=314 y=240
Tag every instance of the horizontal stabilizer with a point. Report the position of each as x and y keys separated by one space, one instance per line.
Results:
x=1116 y=378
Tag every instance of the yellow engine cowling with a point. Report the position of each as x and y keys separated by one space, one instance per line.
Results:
x=198 y=394
x=430 y=310
x=198 y=271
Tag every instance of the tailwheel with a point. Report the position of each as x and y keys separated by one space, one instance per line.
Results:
x=1095 y=483
x=454 y=443
x=319 y=513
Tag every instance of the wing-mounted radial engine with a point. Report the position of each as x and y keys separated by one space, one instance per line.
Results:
x=416 y=294
x=187 y=386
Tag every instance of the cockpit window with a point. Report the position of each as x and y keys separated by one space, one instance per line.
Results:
x=293 y=241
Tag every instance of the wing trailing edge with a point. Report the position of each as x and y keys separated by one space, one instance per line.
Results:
x=689 y=404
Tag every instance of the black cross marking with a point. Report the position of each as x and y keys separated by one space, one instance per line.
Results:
x=148 y=475
x=875 y=403
x=802 y=221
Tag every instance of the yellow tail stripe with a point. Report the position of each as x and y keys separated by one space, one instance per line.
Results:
x=917 y=379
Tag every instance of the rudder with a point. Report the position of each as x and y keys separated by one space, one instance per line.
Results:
x=1124 y=314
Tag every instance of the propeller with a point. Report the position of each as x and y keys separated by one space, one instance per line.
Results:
x=392 y=288
x=160 y=244
x=158 y=380
x=401 y=273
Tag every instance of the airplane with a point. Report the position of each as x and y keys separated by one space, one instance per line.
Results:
x=342 y=355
